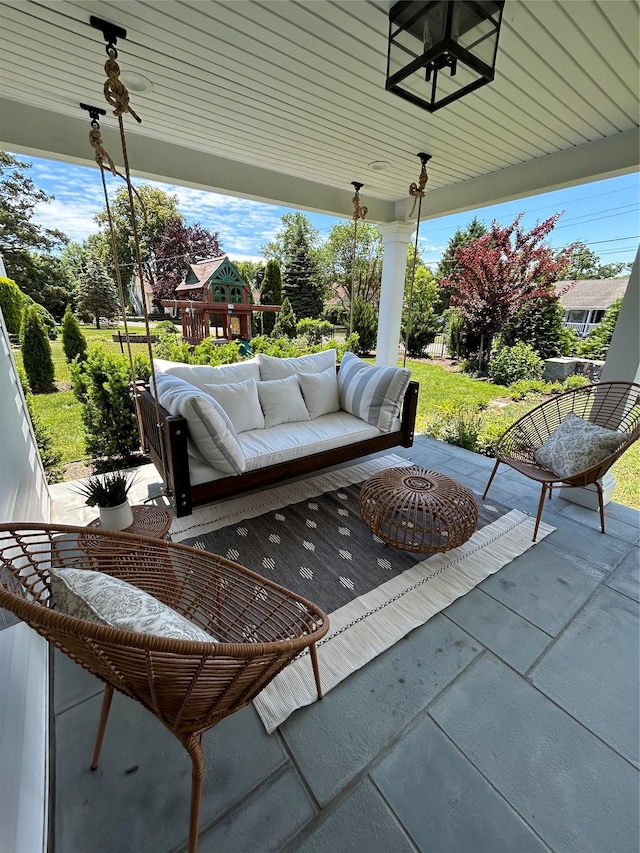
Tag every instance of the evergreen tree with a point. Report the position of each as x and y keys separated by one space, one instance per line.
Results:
x=424 y=321
x=73 y=341
x=97 y=296
x=596 y=344
x=285 y=326
x=538 y=323
x=36 y=352
x=365 y=325
x=11 y=305
x=448 y=263
x=271 y=293
x=302 y=280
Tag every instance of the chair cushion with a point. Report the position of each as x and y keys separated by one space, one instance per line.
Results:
x=279 y=368
x=282 y=402
x=320 y=392
x=576 y=445
x=374 y=394
x=209 y=426
x=105 y=600
x=241 y=403
x=201 y=375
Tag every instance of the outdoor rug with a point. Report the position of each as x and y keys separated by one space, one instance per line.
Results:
x=308 y=536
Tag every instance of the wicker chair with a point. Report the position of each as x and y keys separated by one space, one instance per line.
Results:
x=189 y=686
x=613 y=405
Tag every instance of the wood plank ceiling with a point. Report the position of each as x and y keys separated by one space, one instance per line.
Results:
x=297 y=88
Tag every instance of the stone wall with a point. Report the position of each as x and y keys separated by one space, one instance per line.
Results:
x=558 y=369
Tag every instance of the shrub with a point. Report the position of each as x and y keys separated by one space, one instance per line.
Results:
x=571 y=383
x=208 y=352
x=526 y=387
x=285 y=326
x=457 y=425
x=102 y=383
x=539 y=324
x=313 y=330
x=11 y=304
x=512 y=364
x=365 y=324
x=48 y=321
x=74 y=342
x=36 y=352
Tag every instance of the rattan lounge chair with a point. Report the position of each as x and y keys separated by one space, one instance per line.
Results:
x=189 y=686
x=612 y=405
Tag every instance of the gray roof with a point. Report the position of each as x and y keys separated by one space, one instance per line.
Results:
x=591 y=293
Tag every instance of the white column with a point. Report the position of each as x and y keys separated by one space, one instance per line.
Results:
x=396 y=237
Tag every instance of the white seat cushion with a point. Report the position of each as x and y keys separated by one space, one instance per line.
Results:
x=279 y=368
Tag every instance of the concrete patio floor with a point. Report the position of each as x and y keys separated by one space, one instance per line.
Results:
x=509 y=722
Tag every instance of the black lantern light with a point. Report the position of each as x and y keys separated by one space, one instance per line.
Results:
x=442 y=49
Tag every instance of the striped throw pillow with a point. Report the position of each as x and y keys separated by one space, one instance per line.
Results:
x=373 y=394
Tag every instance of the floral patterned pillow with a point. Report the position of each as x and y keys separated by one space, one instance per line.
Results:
x=576 y=445
x=110 y=601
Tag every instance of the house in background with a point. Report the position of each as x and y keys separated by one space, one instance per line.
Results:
x=586 y=301
x=135 y=296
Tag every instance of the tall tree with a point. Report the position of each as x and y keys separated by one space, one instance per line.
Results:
x=424 y=322
x=448 y=263
x=281 y=247
x=271 y=293
x=36 y=351
x=154 y=208
x=97 y=295
x=336 y=260
x=499 y=272
x=27 y=246
x=302 y=283
x=177 y=247
x=583 y=263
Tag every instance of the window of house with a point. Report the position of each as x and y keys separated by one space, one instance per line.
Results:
x=219 y=293
x=235 y=295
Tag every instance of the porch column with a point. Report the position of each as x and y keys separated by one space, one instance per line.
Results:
x=396 y=237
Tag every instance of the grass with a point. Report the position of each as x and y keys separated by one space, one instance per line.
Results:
x=61 y=414
x=626 y=473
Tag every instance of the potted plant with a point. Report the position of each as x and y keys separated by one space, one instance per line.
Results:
x=110 y=493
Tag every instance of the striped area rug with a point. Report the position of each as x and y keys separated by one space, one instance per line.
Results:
x=308 y=537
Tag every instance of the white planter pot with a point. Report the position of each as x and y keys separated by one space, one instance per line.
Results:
x=116 y=517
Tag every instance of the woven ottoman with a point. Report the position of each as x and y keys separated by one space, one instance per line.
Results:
x=418 y=510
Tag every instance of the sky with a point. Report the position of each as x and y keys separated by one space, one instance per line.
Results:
x=603 y=214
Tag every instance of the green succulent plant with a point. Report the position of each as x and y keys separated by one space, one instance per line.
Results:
x=107 y=490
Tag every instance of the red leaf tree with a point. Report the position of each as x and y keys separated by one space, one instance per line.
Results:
x=178 y=246
x=500 y=272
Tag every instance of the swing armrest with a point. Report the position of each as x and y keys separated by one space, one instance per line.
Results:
x=170 y=431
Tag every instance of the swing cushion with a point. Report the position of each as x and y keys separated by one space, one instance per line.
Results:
x=272 y=367
x=209 y=425
x=373 y=394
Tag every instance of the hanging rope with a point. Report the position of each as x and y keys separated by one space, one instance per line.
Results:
x=417 y=191
x=358 y=213
x=117 y=96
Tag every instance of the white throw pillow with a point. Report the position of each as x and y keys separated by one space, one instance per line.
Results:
x=240 y=402
x=279 y=368
x=373 y=394
x=282 y=401
x=105 y=600
x=209 y=426
x=201 y=375
x=320 y=392
x=577 y=445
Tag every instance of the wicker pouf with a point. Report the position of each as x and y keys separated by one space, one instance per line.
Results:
x=418 y=510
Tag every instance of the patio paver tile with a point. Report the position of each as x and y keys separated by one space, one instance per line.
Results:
x=613 y=526
x=508 y=635
x=149 y=810
x=600 y=549
x=575 y=791
x=626 y=578
x=362 y=822
x=442 y=800
x=363 y=714
x=593 y=670
x=265 y=822
x=545 y=585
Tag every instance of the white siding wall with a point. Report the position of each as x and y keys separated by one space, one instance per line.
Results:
x=23 y=653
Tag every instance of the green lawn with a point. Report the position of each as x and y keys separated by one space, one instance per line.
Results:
x=61 y=414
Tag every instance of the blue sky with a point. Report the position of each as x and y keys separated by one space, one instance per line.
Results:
x=604 y=214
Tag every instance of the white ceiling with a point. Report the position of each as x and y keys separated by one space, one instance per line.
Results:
x=285 y=101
